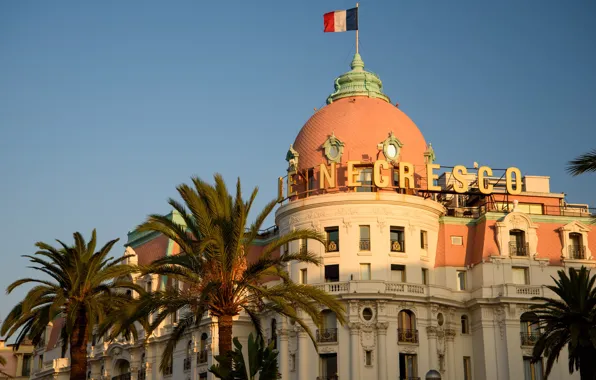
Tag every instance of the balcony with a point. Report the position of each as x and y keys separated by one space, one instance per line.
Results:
x=577 y=252
x=187 y=364
x=202 y=357
x=407 y=336
x=327 y=335
x=397 y=246
x=529 y=339
x=332 y=246
x=516 y=249
x=364 y=245
x=141 y=374
x=124 y=376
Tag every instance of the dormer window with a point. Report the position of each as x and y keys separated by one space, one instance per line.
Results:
x=334 y=148
x=391 y=148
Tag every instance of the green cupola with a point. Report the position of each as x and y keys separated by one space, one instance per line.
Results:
x=358 y=82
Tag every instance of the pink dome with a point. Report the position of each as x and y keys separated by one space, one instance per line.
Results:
x=361 y=123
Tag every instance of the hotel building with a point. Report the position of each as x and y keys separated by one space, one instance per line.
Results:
x=435 y=273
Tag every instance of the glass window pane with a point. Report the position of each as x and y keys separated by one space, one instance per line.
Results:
x=365 y=271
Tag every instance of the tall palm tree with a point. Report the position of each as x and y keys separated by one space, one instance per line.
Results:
x=582 y=164
x=214 y=269
x=569 y=321
x=82 y=285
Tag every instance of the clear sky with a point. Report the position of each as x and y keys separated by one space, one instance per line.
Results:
x=106 y=106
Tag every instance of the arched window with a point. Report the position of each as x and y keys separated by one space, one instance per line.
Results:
x=274 y=333
x=465 y=326
x=529 y=328
x=202 y=356
x=407 y=331
x=328 y=332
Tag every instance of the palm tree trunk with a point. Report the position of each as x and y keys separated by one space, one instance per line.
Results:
x=224 y=325
x=78 y=347
x=587 y=365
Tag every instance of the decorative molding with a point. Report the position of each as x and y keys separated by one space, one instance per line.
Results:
x=368 y=339
x=431 y=331
x=381 y=223
x=347 y=224
x=499 y=316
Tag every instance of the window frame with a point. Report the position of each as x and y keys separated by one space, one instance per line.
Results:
x=459 y=282
x=400 y=231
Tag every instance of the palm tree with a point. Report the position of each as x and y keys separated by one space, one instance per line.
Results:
x=569 y=321
x=582 y=164
x=82 y=284
x=214 y=269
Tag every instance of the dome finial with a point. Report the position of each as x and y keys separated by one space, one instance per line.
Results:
x=357 y=63
x=358 y=82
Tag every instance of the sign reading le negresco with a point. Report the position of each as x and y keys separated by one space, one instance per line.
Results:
x=381 y=177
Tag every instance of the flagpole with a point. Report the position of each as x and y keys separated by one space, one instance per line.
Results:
x=357 y=27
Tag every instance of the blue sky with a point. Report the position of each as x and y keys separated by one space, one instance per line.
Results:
x=106 y=106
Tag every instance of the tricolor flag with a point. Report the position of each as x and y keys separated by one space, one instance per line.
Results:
x=340 y=21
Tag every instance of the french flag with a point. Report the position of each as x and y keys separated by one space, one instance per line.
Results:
x=340 y=21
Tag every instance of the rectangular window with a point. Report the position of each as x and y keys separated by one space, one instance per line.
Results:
x=532 y=371
x=365 y=178
x=332 y=273
x=26 y=365
x=398 y=273
x=520 y=275
x=517 y=243
x=457 y=240
x=398 y=239
x=364 y=238
x=424 y=276
x=311 y=180
x=365 y=272
x=329 y=366
x=303 y=276
x=332 y=239
x=408 y=366
x=423 y=240
x=368 y=360
x=303 y=245
x=467 y=368
x=461 y=280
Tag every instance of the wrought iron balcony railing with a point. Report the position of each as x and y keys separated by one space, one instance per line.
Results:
x=327 y=335
x=124 y=376
x=332 y=246
x=186 y=364
x=168 y=370
x=397 y=246
x=516 y=249
x=202 y=357
x=529 y=338
x=142 y=374
x=407 y=335
x=577 y=252
x=364 y=245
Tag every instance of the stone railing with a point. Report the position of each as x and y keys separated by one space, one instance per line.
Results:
x=372 y=286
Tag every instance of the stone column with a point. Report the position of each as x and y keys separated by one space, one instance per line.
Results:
x=302 y=354
x=450 y=353
x=284 y=354
x=382 y=349
x=431 y=333
x=354 y=350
